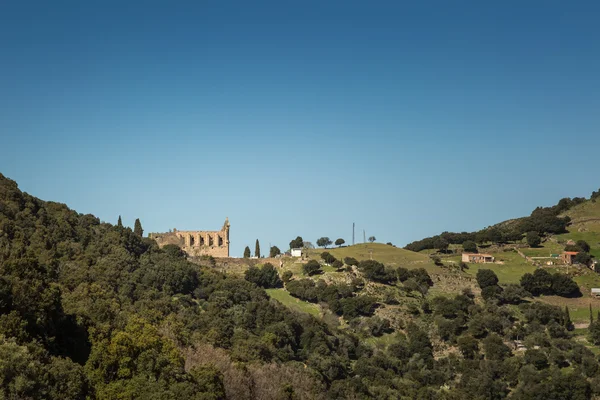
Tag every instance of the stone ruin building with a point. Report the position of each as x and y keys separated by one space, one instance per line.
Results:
x=197 y=243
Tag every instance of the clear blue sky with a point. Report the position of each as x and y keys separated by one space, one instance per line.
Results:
x=299 y=118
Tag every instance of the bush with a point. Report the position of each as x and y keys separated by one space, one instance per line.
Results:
x=351 y=261
x=542 y=282
x=312 y=268
x=353 y=307
x=265 y=277
x=583 y=258
x=486 y=277
x=513 y=294
x=337 y=264
x=287 y=276
x=536 y=358
x=304 y=289
x=533 y=239
x=328 y=257
x=495 y=349
x=470 y=246
x=491 y=292
x=375 y=271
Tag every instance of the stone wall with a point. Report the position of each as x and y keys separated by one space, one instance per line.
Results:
x=197 y=243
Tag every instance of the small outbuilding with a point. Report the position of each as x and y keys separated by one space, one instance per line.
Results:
x=596 y=292
x=296 y=252
x=477 y=258
x=568 y=257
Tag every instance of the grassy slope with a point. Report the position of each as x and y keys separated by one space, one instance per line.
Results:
x=288 y=300
x=586 y=226
x=388 y=255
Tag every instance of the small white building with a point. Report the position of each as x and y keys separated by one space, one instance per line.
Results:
x=596 y=292
x=296 y=252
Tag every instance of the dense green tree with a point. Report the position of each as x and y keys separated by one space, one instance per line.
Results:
x=583 y=258
x=247 y=252
x=257 y=249
x=563 y=285
x=567 y=319
x=372 y=239
x=469 y=246
x=494 y=348
x=533 y=239
x=594 y=332
x=311 y=268
x=339 y=242
x=351 y=261
x=137 y=228
x=469 y=347
x=287 y=276
x=583 y=245
x=297 y=243
x=441 y=244
x=119 y=222
x=265 y=277
x=486 y=277
x=274 y=251
x=536 y=358
x=375 y=271
x=324 y=242
x=328 y=257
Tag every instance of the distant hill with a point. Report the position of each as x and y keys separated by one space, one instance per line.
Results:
x=567 y=215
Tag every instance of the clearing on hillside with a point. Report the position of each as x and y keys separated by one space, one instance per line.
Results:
x=384 y=253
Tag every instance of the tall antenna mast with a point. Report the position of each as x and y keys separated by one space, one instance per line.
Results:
x=364 y=237
x=353 y=234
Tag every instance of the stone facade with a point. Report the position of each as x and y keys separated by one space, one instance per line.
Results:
x=197 y=243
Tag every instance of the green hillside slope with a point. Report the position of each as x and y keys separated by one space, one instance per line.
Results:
x=389 y=255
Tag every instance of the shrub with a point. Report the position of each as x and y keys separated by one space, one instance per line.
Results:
x=536 y=358
x=542 y=282
x=265 y=277
x=486 y=277
x=470 y=246
x=375 y=271
x=328 y=257
x=583 y=258
x=337 y=264
x=533 y=239
x=287 y=276
x=304 y=289
x=351 y=261
x=312 y=268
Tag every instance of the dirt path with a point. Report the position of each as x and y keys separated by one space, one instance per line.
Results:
x=581 y=325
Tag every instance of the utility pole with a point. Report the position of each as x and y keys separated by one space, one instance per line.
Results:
x=353 y=234
x=364 y=237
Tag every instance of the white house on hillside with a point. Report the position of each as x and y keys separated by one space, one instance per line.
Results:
x=296 y=252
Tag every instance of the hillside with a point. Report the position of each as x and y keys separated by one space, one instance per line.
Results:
x=389 y=255
x=90 y=310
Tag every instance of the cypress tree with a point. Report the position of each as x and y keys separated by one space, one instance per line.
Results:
x=567 y=318
x=257 y=249
x=119 y=222
x=247 y=252
x=137 y=228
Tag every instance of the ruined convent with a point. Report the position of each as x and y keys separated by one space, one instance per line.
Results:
x=197 y=243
